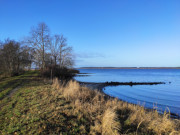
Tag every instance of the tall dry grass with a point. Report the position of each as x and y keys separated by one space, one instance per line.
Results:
x=110 y=124
x=110 y=116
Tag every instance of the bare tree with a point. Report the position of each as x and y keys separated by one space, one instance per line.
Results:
x=65 y=53
x=54 y=47
x=50 y=50
x=26 y=57
x=10 y=60
x=40 y=41
x=13 y=57
x=61 y=51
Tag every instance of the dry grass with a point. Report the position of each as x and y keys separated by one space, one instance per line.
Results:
x=110 y=116
x=110 y=124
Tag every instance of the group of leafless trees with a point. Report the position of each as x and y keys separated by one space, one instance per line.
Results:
x=14 y=57
x=39 y=50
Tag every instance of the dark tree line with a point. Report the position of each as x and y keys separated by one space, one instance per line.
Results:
x=39 y=50
x=14 y=58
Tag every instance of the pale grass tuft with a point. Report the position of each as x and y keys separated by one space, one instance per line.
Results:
x=162 y=125
x=56 y=83
x=175 y=133
x=71 y=91
x=112 y=103
x=77 y=105
x=138 y=116
x=110 y=124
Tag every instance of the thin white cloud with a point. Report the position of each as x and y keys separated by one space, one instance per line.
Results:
x=89 y=55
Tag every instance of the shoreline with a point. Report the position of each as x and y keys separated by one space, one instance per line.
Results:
x=128 y=68
x=101 y=86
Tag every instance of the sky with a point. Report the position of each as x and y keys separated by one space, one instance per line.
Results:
x=113 y=33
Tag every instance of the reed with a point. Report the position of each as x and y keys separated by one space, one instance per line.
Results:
x=110 y=124
x=112 y=116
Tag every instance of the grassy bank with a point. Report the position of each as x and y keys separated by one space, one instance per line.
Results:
x=111 y=116
x=40 y=107
x=33 y=109
x=7 y=84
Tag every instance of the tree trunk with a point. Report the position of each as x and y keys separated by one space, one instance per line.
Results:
x=55 y=60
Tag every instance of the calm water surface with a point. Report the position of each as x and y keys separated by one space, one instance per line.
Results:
x=162 y=96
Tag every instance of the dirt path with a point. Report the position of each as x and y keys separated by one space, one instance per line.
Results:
x=13 y=91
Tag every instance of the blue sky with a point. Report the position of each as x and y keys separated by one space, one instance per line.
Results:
x=116 y=33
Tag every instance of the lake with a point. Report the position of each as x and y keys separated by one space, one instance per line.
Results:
x=162 y=96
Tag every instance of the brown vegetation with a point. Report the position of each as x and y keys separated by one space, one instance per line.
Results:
x=61 y=73
x=111 y=116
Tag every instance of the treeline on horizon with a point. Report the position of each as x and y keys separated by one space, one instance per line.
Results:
x=129 y=68
x=49 y=53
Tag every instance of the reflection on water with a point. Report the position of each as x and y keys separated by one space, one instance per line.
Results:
x=163 y=96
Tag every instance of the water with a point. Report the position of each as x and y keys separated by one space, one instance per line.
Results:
x=162 y=96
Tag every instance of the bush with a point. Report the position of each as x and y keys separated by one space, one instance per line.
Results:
x=61 y=73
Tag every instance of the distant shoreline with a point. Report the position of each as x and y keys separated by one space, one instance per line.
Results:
x=128 y=68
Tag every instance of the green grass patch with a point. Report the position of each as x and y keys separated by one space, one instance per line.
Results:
x=34 y=110
x=9 y=83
